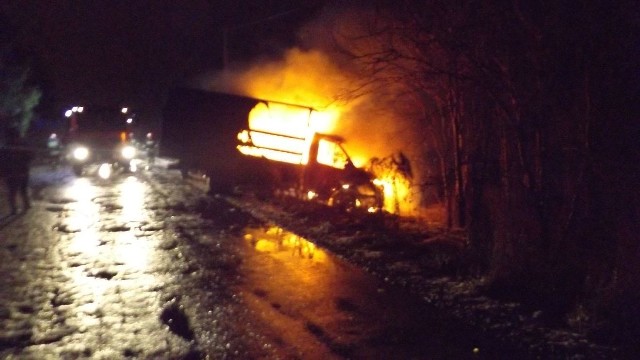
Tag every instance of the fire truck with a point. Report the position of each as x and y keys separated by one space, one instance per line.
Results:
x=100 y=138
x=238 y=142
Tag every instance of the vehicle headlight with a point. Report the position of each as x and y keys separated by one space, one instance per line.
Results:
x=80 y=153
x=128 y=152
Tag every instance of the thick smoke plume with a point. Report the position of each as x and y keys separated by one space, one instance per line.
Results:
x=316 y=74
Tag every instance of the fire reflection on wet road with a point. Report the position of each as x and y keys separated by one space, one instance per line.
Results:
x=273 y=239
x=320 y=307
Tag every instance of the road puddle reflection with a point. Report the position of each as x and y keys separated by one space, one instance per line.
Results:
x=327 y=308
x=274 y=239
x=84 y=212
x=307 y=294
x=132 y=199
x=133 y=252
x=107 y=261
x=288 y=261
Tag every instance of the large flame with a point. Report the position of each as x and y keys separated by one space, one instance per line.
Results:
x=312 y=80
x=304 y=78
x=302 y=105
x=285 y=132
x=278 y=132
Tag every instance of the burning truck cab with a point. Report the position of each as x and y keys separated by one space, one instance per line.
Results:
x=322 y=170
x=266 y=146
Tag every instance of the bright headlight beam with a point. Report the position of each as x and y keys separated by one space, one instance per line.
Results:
x=104 y=171
x=128 y=152
x=80 y=153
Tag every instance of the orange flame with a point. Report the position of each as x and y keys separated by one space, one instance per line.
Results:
x=396 y=193
x=368 y=122
x=284 y=132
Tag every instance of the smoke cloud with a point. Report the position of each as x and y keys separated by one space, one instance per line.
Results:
x=375 y=121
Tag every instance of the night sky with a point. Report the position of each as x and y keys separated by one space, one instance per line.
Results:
x=131 y=52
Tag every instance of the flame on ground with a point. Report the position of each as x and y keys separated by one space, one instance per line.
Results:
x=396 y=193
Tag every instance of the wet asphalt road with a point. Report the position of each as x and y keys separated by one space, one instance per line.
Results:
x=102 y=269
x=147 y=267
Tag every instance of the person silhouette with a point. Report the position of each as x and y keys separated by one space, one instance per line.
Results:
x=15 y=160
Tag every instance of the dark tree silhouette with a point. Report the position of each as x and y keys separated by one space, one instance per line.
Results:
x=18 y=94
x=529 y=106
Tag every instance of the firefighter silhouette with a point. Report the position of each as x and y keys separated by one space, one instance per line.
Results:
x=15 y=160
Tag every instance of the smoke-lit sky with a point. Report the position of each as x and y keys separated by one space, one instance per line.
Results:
x=130 y=52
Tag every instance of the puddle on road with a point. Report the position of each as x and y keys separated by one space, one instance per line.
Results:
x=110 y=268
x=292 y=284
x=274 y=239
x=324 y=307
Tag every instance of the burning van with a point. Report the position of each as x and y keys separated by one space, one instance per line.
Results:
x=242 y=142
